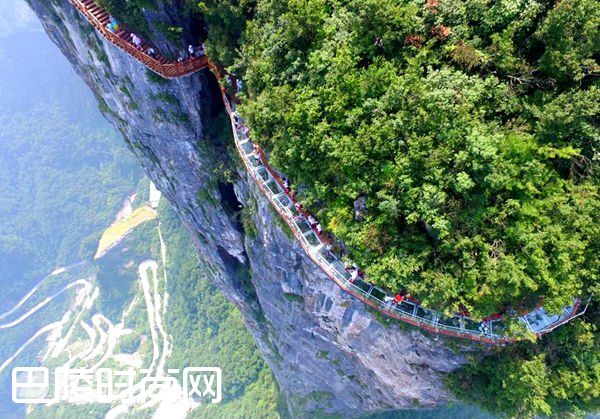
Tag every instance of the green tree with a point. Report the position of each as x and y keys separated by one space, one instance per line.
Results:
x=571 y=36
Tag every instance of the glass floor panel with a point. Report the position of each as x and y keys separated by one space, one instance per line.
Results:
x=499 y=327
x=262 y=173
x=340 y=267
x=378 y=294
x=364 y=286
x=425 y=313
x=248 y=147
x=450 y=321
x=536 y=320
x=313 y=240
x=303 y=225
x=406 y=307
x=472 y=325
x=285 y=201
x=552 y=317
x=272 y=186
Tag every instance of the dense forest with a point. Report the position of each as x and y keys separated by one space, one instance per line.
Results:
x=471 y=129
x=468 y=126
x=52 y=173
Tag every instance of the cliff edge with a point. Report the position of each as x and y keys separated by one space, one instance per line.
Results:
x=328 y=352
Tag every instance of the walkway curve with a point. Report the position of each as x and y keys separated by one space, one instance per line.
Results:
x=99 y=18
x=493 y=331
x=538 y=321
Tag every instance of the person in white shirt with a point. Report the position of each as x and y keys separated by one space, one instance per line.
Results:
x=136 y=40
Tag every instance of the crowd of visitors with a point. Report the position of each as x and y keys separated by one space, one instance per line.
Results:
x=113 y=26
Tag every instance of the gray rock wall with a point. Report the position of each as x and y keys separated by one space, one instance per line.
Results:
x=327 y=351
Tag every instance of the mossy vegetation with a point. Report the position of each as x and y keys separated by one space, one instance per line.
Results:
x=247 y=217
x=168 y=98
x=295 y=298
x=155 y=78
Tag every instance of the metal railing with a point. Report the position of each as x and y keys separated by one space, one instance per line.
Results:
x=167 y=70
x=270 y=183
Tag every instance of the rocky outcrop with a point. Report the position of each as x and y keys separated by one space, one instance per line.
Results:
x=328 y=352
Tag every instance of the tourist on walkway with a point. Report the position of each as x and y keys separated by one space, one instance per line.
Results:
x=136 y=41
x=113 y=26
x=256 y=154
x=354 y=273
x=200 y=51
x=239 y=122
x=245 y=132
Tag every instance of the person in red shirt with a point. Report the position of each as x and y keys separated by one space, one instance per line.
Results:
x=398 y=298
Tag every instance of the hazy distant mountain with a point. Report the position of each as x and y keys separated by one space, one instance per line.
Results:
x=16 y=17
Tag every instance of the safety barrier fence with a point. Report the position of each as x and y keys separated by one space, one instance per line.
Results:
x=270 y=183
x=98 y=18
x=495 y=331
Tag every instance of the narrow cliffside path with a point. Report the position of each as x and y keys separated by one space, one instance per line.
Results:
x=306 y=230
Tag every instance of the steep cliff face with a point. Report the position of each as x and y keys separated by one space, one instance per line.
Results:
x=327 y=351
